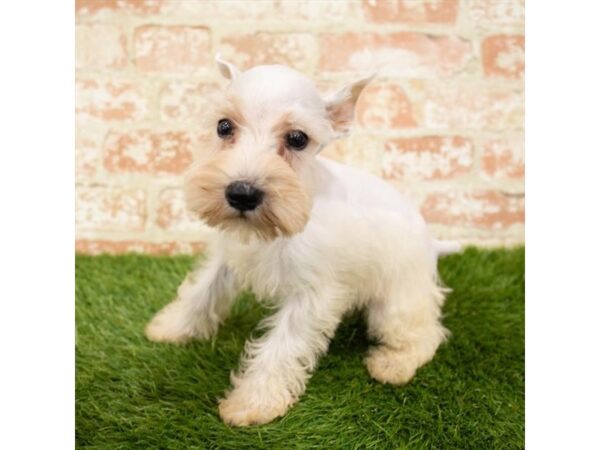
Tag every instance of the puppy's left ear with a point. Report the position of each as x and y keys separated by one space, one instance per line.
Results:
x=227 y=69
x=341 y=104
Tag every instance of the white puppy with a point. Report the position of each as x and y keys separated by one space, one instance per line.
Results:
x=314 y=237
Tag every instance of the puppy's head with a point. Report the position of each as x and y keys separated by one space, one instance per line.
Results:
x=253 y=176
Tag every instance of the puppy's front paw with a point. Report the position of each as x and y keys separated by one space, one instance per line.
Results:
x=388 y=365
x=176 y=324
x=246 y=406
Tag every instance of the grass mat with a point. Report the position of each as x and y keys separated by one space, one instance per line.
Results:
x=134 y=394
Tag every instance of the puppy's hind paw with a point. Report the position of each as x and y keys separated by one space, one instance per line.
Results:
x=388 y=365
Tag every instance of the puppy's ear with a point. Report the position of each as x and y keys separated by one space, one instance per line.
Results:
x=341 y=104
x=227 y=69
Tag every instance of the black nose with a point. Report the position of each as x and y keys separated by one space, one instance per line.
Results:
x=243 y=196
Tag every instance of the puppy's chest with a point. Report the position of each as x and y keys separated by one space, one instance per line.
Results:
x=267 y=271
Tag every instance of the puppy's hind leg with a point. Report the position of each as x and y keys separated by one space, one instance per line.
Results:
x=203 y=301
x=406 y=322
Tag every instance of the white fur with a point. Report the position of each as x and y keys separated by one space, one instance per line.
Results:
x=364 y=246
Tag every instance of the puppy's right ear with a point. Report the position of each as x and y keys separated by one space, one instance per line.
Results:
x=227 y=69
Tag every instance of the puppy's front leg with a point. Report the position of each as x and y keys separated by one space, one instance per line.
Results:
x=275 y=367
x=203 y=301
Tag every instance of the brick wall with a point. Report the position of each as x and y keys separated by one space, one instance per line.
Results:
x=443 y=121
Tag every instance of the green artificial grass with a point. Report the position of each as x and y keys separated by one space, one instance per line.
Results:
x=134 y=394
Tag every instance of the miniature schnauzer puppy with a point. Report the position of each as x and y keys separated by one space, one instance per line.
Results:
x=311 y=236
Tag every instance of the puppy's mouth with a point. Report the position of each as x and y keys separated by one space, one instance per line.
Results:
x=272 y=206
x=246 y=214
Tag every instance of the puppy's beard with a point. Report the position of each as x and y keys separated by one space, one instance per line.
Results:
x=284 y=211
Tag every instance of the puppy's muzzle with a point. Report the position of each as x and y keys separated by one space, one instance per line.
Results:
x=243 y=196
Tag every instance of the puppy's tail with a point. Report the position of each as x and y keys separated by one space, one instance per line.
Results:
x=443 y=248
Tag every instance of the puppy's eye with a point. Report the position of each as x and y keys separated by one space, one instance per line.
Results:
x=296 y=140
x=225 y=128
